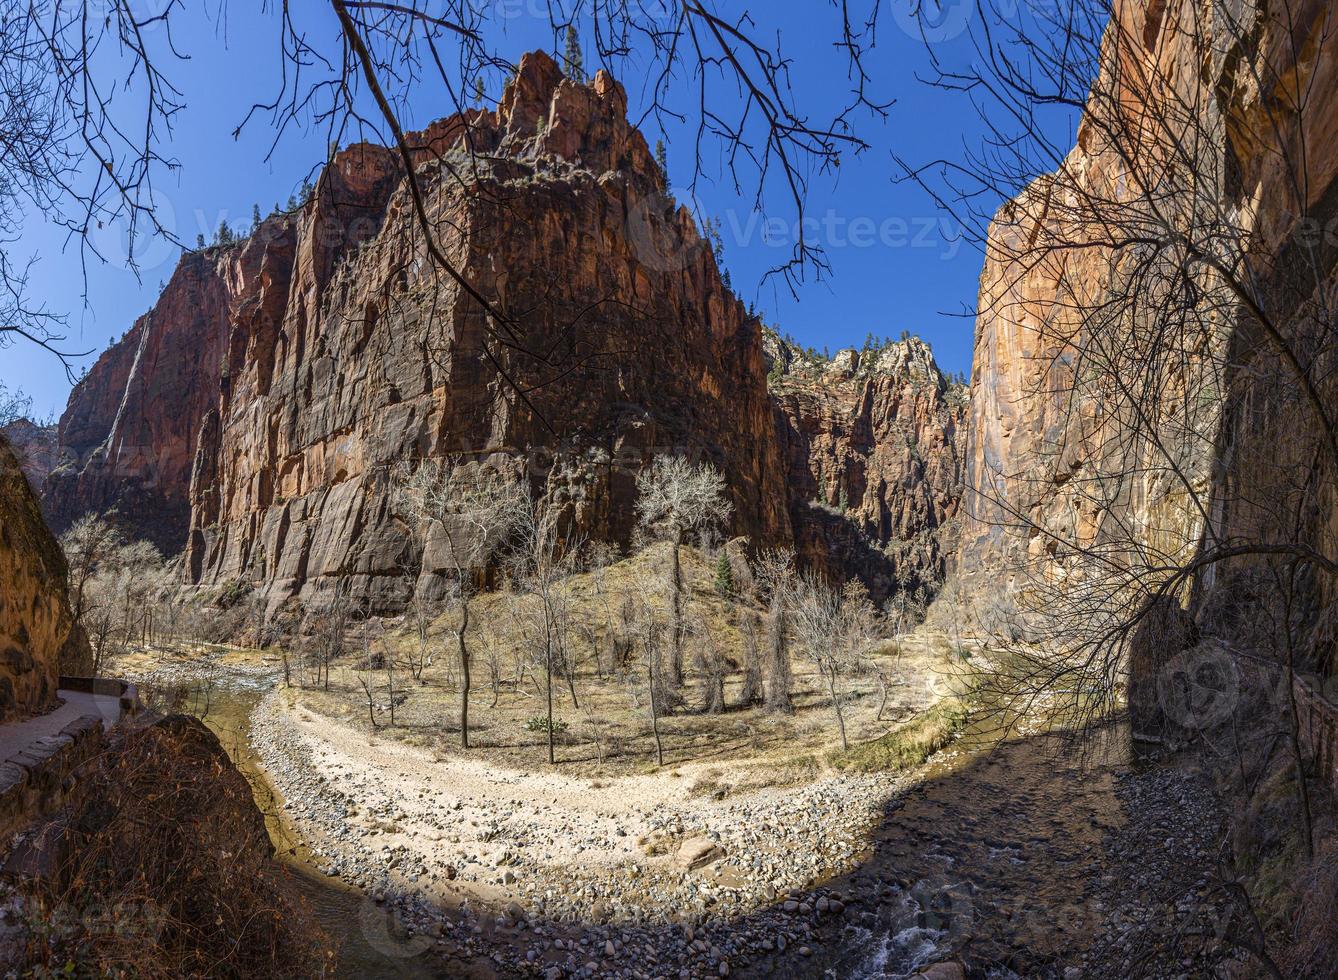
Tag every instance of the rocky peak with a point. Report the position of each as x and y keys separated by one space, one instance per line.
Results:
x=290 y=372
x=872 y=440
x=544 y=119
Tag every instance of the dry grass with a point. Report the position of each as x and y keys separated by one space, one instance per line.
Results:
x=910 y=745
x=608 y=728
x=164 y=869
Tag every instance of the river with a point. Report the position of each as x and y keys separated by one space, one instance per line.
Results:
x=1003 y=854
x=370 y=944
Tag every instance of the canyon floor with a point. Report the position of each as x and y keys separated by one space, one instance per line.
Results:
x=1014 y=859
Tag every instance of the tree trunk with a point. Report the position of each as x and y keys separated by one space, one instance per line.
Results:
x=675 y=614
x=836 y=706
x=464 y=673
x=1298 y=760
x=548 y=670
x=778 y=662
x=752 y=664
x=654 y=712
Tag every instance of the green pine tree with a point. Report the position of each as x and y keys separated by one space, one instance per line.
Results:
x=724 y=575
x=255 y=218
x=662 y=159
x=571 y=59
x=199 y=240
x=478 y=90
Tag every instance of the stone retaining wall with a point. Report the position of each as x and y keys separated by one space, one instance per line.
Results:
x=37 y=780
x=1318 y=718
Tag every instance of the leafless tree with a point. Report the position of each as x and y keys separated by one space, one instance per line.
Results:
x=599 y=556
x=677 y=498
x=834 y=627
x=645 y=624
x=81 y=138
x=471 y=509
x=542 y=559
x=753 y=690
x=328 y=622
x=421 y=613
x=775 y=574
x=1173 y=278
x=14 y=405
x=710 y=665
x=88 y=547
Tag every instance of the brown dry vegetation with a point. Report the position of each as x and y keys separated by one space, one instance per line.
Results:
x=608 y=727
x=164 y=869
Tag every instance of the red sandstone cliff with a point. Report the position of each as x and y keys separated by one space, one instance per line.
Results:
x=35 y=620
x=253 y=414
x=872 y=444
x=1051 y=466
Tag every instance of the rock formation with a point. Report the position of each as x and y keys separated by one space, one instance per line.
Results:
x=1086 y=434
x=871 y=445
x=35 y=620
x=35 y=446
x=253 y=414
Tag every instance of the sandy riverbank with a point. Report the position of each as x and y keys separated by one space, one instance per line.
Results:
x=382 y=814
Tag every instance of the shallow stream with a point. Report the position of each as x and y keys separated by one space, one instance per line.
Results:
x=369 y=943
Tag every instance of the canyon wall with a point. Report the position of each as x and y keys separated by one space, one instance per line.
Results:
x=1049 y=471
x=1129 y=407
x=35 y=620
x=35 y=446
x=872 y=445
x=254 y=414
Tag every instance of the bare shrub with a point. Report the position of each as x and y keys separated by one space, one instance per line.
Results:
x=166 y=870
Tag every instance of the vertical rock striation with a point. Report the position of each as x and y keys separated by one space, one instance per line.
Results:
x=252 y=416
x=1084 y=435
x=871 y=442
x=35 y=620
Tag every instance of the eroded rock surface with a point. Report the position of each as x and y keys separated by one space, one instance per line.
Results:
x=872 y=446
x=35 y=620
x=252 y=416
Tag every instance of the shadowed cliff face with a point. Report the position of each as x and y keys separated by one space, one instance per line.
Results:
x=871 y=443
x=253 y=414
x=35 y=620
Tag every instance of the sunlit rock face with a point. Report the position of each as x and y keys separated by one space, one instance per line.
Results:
x=872 y=444
x=252 y=416
x=1054 y=471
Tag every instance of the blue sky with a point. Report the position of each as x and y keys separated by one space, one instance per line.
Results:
x=896 y=262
